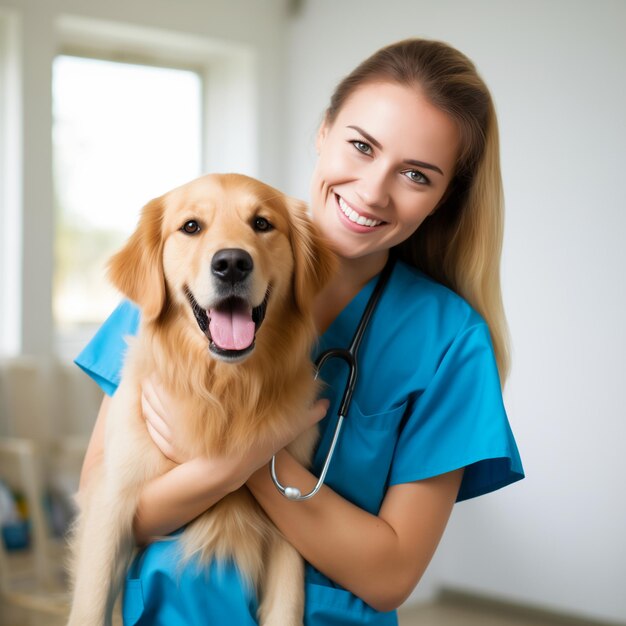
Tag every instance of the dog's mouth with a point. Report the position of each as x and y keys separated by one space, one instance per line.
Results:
x=230 y=325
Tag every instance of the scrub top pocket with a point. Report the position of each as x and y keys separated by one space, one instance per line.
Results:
x=158 y=592
x=362 y=461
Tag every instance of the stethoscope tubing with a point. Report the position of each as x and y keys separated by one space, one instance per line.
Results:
x=348 y=355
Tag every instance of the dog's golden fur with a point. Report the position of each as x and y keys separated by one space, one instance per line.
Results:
x=223 y=406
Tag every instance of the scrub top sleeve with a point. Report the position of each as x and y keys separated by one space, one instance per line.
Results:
x=458 y=421
x=103 y=357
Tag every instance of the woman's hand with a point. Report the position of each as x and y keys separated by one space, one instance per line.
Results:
x=160 y=412
x=260 y=455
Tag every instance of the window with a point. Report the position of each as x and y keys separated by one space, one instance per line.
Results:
x=122 y=135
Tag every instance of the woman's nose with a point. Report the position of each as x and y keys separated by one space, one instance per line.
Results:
x=373 y=188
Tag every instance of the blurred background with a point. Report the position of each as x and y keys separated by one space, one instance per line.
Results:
x=106 y=105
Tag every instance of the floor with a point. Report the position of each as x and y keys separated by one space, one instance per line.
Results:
x=448 y=612
x=442 y=615
x=459 y=610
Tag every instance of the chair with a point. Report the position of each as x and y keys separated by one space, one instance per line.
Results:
x=47 y=409
x=31 y=580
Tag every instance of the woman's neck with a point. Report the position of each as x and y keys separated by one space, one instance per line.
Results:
x=352 y=275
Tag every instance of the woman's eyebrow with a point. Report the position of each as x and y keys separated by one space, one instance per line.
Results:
x=367 y=136
x=428 y=166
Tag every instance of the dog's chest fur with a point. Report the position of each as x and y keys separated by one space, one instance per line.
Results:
x=222 y=408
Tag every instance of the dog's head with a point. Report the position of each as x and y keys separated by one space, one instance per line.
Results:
x=225 y=249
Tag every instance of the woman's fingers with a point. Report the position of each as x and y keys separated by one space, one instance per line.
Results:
x=150 y=387
x=316 y=413
x=259 y=455
x=153 y=418
x=162 y=443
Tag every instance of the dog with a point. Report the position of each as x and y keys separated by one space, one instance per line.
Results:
x=224 y=270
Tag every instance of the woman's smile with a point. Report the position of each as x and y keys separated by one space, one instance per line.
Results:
x=355 y=219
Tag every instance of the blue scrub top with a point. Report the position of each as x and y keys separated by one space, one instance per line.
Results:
x=427 y=401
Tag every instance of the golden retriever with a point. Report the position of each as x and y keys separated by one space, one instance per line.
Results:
x=224 y=270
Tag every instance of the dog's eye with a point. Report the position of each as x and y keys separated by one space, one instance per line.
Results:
x=191 y=227
x=262 y=225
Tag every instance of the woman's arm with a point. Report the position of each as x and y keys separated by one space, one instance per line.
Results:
x=171 y=500
x=179 y=496
x=95 y=448
x=191 y=487
x=378 y=558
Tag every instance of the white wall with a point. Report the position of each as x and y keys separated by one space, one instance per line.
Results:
x=557 y=71
x=259 y=26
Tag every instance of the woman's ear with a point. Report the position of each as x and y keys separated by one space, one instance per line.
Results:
x=321 y=136
x=314 y=261
x=137 y=269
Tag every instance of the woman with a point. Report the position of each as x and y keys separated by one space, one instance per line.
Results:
x=408 y=166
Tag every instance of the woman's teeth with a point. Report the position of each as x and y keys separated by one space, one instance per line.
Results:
x=353 y=216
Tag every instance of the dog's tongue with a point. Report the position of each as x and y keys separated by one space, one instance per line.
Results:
x=232 y=327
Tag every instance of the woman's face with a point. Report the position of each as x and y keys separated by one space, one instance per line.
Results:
x=384 y=165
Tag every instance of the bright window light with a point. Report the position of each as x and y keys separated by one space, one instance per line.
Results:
x=122 y=135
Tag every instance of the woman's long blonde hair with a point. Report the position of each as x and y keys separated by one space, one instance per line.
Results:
x=460 y=244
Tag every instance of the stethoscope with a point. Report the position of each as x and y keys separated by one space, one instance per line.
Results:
x=350 y=357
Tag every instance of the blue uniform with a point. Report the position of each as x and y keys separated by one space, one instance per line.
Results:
x=427 y=401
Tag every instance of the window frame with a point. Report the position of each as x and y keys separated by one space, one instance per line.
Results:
x=11 y=176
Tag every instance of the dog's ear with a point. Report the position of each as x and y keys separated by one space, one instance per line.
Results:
x=137 y=269
x=315 y=263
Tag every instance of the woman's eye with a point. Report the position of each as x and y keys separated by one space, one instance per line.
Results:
x=361 y=146
x=261 y=225
x=416 y=177
x=191 y=227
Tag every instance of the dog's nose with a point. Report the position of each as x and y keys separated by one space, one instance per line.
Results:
x=231 y=265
